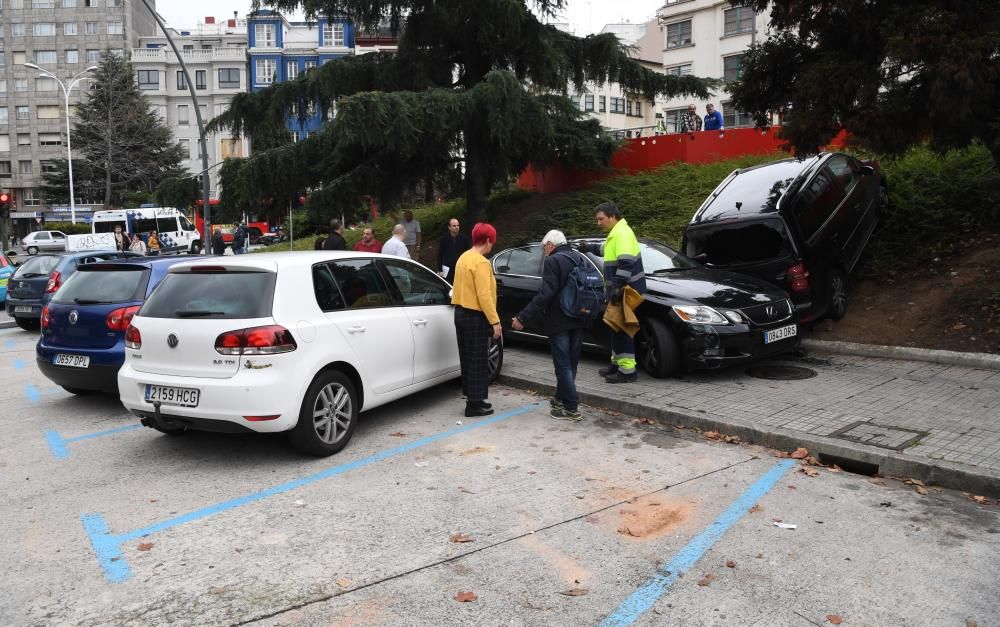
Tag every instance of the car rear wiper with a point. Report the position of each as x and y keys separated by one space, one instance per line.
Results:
x=31 y=275
x=665 y=270
x=89 y=301
x=196 y=313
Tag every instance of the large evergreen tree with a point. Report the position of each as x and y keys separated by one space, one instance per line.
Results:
x=474 y=82
x=891 y=72
x=120 y=146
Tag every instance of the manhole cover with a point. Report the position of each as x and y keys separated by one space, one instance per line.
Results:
x=882 y=436
x=781 y=373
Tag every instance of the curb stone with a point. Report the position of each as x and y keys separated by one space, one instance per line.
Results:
x=950 y=358
x=939 y=473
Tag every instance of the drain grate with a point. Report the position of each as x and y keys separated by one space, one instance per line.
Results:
x=882 y=436
x=781 y=373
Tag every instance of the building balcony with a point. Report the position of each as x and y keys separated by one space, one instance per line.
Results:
x=166 y=55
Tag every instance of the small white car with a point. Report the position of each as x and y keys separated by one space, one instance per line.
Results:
x=37 y=241
x=299 y=342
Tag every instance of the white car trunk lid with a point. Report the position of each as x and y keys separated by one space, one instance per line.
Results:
x=186 y=346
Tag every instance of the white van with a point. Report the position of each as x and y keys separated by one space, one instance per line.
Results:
x=176 y=232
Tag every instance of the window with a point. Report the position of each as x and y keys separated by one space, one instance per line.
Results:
x=43 y=4
x=20 y=57
x=69 y=4
x=200 y=79
x=43 y=29
x=733 y=118
x=45 y=57
x=817 y=201
x=69 y=28
x=49 y=139
x=24 y=141
x=48 y=167
x=617 y=105
x=846 y=170
x=309 y=65
x=47 y=112
x=333 y=34
x=116 y=28
x=161 y=110
x=679 y=34
x=732 y=67
x=20 y=84
x=94 y=57
x=679 y=70
x=17 y=30
x=628 y=107
x=22 y=112
x=72 y=56
x=114 y=3
x=292 y=70
x=638 y=108
x=739 y=20
x=233 y=295
x=325 y=287
x=361 y=284
x=525 y=261
x=232 y=149
x=148 y=79
x=45 y=83
x=603 y=101
x=185 y=145
x=5 y=147
x=32 y=197
x=3 y=115
x=91 y=28
x=183 y=115
x=672 y=120
x=588 y=102
x=265 y=71
x=166 y=225
x=229 y=78
x=264 y=36
x=24 y=167
x=417 y=285
x=181 y=81
x=295 y=136
x=118 y=52
x=5 y=170
x=3 y=85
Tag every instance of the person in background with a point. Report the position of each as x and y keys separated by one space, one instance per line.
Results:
x=318 y=244
x=138 y=246
x=451 y=247
x=413 y=237
x=394 y=245
x=713 y=119
x=240 y=236
x=691 y=121
x=218 y=244
x=122 y=241
x=476 y=319
x=153 y=244
x=368 y=242
x=335 y=239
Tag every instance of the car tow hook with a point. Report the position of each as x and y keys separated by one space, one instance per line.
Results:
x=151 y=422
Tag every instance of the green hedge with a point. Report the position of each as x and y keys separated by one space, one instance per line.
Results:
x=68 y=227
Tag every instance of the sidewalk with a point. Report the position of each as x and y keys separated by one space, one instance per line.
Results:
x=937 y=423
x=6 y=322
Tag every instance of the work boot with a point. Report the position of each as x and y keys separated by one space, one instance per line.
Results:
x=621 y=377
x=609 y=371
x=477 y=408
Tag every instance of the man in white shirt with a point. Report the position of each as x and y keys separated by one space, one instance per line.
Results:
x=413 y=237
x=394 y=245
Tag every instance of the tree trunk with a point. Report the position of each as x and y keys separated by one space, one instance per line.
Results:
x=477 y=168
x=429 y=187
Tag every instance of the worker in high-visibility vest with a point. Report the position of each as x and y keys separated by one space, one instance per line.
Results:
x=622 y=267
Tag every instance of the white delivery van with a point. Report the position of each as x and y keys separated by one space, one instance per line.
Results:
x=176 y=232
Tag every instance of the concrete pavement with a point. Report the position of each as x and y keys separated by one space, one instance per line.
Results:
x=933 y=422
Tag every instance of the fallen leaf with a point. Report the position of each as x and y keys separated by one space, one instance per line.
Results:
x=979 y=499
x=153 y=500
x=711 y=435
x=397 y=434
x=783 y=454
x=460 y=538
x=730 y=564
x=756 y=508
x=465 y=597
x=145 y=546
x=833 y=619
x=810 y=472
x=760 y=556
x=800 y=453
x=921 y=490
x=709 y=578
x=574 y=592
x=466 y=490
x=971 y=623
x=836 y=468
x=791 y=487
x=958 y=327
x=877 y=480
x=812 y=461
x=643 y=421
x=625 y=531
x=733 y=439
x=344 y=583
x=775 y=520
x=913 y=482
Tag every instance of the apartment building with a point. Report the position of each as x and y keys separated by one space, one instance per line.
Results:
x=215 y=53
x=64 y=37
x=706 y=38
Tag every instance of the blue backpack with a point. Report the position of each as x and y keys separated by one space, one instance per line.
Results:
x=583 y=296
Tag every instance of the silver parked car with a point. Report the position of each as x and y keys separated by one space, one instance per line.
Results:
x=32 y=243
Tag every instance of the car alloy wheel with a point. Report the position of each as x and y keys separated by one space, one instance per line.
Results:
x=495 y=358
x=328 y=415
x=32 y=250
x=838 y=295
x=332 y=413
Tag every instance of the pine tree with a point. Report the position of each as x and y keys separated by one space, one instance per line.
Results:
x=474 y=82
x=120 y=146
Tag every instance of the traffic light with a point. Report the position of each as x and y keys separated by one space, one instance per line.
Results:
x=5 y=204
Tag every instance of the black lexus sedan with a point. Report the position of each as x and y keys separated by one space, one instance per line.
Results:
x=693 y=317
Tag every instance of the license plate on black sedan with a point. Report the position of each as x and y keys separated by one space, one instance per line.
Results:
x=23 y=309
x=167 y=395
x=781 y=333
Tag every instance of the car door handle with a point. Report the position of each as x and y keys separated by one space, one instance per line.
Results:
x=355 y=329
x=420 y=323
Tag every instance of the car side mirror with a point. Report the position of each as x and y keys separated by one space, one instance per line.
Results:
x=701 y=257
x=867 y=170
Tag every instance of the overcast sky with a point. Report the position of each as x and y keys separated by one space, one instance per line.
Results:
x=588 y=16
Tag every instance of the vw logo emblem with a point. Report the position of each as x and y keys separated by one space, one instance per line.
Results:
x=771 y=311
x=73 y=316
x=172 y=341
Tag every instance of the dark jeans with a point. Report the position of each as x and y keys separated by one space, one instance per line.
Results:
x=566 y=349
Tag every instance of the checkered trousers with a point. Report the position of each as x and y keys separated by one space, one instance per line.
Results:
x=473 y=331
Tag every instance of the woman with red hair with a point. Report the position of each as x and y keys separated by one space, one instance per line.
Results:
x=475 y=298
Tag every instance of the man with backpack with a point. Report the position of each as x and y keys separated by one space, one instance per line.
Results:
x=570 y=298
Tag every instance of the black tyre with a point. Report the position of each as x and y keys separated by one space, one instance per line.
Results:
x=29 y=324
x=495 y=357
x=79 y=391
x=656 y=349
x=328 y=416
x=836 y=291
x=195 y=248
x=32 y=250
x=254 y=236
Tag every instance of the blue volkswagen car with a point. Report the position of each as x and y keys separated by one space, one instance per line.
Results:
x=82 y=344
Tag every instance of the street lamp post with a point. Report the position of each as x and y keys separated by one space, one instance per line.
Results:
x=69 y=148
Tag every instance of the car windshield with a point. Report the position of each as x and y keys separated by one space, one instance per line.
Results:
x=219 y=295
x=41 y=265
x=657 y=257
x=738 y=242
x=121 y=285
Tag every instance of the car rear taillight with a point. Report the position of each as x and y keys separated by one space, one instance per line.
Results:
x=46 y=318
x=798 y=278
x=54 y=282
x=121 y=318
x=133 y=339
x=270 y=340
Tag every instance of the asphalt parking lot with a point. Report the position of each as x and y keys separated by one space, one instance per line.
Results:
x=610 y=521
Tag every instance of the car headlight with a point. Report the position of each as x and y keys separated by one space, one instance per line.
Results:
x=699 y=314
x=734 y=316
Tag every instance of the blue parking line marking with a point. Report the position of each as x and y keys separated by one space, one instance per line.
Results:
x=34 y=394
x=9 y=344
x=57 y=443
x=646 y=595
x=18 y=364
x=107 y=546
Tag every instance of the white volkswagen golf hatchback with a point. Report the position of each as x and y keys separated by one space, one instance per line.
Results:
x=297 y=342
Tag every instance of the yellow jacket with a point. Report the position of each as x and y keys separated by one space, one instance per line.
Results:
x=475 y=287
x=621 y=316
